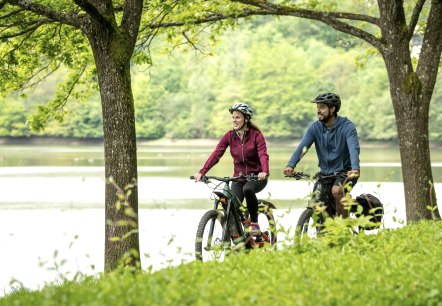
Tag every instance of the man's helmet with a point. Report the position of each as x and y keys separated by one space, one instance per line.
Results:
x=330 y=99
x=243 y=108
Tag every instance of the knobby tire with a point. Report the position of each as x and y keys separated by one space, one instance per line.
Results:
x=202 y=234
x=306 y=223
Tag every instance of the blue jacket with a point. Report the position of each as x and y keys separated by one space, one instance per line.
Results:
x=337 y=147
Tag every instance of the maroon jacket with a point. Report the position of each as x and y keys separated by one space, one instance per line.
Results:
x=249 y=156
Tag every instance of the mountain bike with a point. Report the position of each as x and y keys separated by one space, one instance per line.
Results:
x=322 y=205
x=225 y=228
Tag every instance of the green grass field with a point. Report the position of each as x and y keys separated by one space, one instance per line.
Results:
x=394 y=267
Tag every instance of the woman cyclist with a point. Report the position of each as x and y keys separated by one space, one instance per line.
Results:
x=249 y=152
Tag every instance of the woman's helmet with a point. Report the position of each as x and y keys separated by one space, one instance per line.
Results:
x=243 y=108
x=330 y=99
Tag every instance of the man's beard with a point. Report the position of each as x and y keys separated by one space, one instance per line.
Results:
x=326 y=119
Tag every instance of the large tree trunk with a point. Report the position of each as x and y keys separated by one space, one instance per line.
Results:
x=411 y=107
x=412 y=126
x=112 y=58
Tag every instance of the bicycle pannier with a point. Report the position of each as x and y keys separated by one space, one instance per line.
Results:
x=371 y=206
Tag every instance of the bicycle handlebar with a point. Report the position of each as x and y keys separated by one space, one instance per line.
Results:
x=319 y=175
x=226 y=179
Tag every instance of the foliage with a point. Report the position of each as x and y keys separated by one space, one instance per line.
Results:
x=27 y=63
x=271 y=64
x=12 y=119
x=392 y=267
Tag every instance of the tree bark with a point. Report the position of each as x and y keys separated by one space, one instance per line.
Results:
x=112 y=59
x=112 y=46
x=412 y=127
x=411 y=95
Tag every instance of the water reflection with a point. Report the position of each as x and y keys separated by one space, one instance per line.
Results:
x=377 y=164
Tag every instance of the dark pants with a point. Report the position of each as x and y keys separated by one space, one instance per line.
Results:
x=340 y=181
x=248 y=189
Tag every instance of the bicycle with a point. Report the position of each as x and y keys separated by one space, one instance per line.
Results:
x=322 y=205
x=224 y=228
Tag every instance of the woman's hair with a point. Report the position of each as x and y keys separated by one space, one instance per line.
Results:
x=251 y=125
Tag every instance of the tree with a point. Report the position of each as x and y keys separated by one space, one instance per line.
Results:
x=97 y=41
x=391 y=31
x=112 y=46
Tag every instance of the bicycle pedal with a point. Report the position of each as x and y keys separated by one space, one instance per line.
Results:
x=261 y=244
x=259 y=238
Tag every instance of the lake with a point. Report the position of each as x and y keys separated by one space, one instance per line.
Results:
x=52 y=216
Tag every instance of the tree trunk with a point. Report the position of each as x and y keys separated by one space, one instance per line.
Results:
x=112 y=58
x=411 y=95
x=411 y=112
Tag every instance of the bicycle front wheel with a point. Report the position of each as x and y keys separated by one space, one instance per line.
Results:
x=309 y=225
x=210 y=243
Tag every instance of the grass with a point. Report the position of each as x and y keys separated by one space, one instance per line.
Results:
x=393 y=267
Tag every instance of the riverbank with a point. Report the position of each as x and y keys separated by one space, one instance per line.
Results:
x=40 y=140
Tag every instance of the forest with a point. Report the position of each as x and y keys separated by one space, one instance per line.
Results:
x=277 y=66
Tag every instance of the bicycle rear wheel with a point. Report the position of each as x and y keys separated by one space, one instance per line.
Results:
x=210 y=243
x=309 y=225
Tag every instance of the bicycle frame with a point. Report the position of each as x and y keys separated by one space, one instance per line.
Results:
x=231 y=206
x=322 y=204
x=321 y=193
x=228 y=212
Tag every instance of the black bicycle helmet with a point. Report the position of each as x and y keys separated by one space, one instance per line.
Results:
x=330 y=99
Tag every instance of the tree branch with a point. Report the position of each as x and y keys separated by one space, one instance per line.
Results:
x=93 y=12
x=415 y=17
x=211 y=18
x=36 y=25
x=30 y=82
x=189 y=41
x=65 y=18
x=11 y=13
x=430 y=55
x=305 y=13
x=131 y=17
x=329 y=18
x=17 y=46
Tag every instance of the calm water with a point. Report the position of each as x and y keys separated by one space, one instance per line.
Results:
x=378 y=164
x=52 y=216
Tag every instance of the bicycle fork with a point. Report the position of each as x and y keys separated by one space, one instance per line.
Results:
x=225 y=236
x=210 y=243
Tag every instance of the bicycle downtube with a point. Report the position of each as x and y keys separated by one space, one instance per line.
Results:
x=226 y=222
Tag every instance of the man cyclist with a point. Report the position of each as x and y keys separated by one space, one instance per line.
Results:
x=337 y=146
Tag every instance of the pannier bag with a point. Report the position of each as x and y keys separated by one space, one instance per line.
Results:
x=371 y=206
